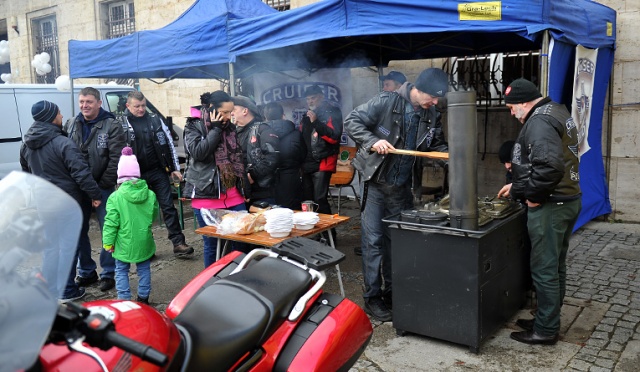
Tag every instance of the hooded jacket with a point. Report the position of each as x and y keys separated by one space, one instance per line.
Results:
x=383 y=117
x=545 y=161
x=103 y=146
x=292 y=147
x=48 y=153
x=131 y=210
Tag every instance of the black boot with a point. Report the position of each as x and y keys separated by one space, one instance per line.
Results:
x=375 y=307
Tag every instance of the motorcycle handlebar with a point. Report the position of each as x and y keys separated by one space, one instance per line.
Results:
x=142 y=351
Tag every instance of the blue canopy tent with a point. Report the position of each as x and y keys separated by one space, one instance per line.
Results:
x=193 y=46
x=243 y=36
x=356 y=33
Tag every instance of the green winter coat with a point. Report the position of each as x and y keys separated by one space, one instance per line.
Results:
x=131 y=210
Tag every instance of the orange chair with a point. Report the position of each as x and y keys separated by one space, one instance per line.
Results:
x=345 y=172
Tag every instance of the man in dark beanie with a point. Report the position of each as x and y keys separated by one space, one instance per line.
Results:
x=48 y=153
x=545 y=167
x=321 y=130
x=45 y=111
x=392 y=81
x=405 y=119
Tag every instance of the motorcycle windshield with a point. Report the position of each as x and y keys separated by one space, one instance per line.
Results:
x=39 y=230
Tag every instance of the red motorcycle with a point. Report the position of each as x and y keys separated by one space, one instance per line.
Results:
x=263 y=311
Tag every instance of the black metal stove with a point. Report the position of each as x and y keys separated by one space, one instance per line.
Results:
x=459 y=268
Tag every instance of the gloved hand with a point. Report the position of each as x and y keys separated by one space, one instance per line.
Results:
x=217 y=124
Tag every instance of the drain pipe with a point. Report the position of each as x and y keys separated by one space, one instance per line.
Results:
x=463 y=168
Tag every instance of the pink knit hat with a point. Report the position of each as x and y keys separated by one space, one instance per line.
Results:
x=128 y=167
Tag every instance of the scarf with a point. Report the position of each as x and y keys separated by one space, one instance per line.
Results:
x=229 y=158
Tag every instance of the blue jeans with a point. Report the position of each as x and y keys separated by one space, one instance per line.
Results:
x=382 y=201
x=210 y=244
x=122 y=279
x=86 y=265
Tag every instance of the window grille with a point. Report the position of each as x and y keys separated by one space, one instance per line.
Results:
x=489 y=75
x=121 y=19
x=45 y=39
x=279 y=5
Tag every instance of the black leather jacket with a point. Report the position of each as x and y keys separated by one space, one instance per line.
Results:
x=161 y=137
x=545 y=161
x=261 y=149
x=383 y=117
x=322 y=138
x=103 y=147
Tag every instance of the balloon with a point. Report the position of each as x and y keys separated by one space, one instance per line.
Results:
x=63 y=83
x=40 y=72
x=45 y=57
x=46 y=68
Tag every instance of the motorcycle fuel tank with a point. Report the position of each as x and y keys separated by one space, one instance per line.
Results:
x=137 y=321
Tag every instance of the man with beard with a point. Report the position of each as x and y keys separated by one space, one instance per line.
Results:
x=545 y=167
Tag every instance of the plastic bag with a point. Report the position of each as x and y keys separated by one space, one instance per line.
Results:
x=233 y=222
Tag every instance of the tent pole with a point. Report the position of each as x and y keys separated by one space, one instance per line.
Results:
x=544 y=65
x=73 y=103
x=232 y=80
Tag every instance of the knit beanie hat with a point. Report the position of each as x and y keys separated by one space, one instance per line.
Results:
x=128 y=167
x=44 y=111
x=433 y=81
x=520 y=91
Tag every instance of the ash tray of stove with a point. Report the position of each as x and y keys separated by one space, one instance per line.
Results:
x=497 y=208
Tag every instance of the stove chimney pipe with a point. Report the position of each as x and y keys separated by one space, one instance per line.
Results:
x=463 y=150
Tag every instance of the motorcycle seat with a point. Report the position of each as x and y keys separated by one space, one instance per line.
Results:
x=238 y=313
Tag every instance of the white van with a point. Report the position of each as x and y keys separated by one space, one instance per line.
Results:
x=15 y=107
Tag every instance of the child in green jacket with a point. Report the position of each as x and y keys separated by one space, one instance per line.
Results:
x=131 y=210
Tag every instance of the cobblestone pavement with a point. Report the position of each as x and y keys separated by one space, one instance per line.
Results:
x=604 y=268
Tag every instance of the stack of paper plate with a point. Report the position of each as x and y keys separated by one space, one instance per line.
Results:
x=305 y=220
x=279 y=222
